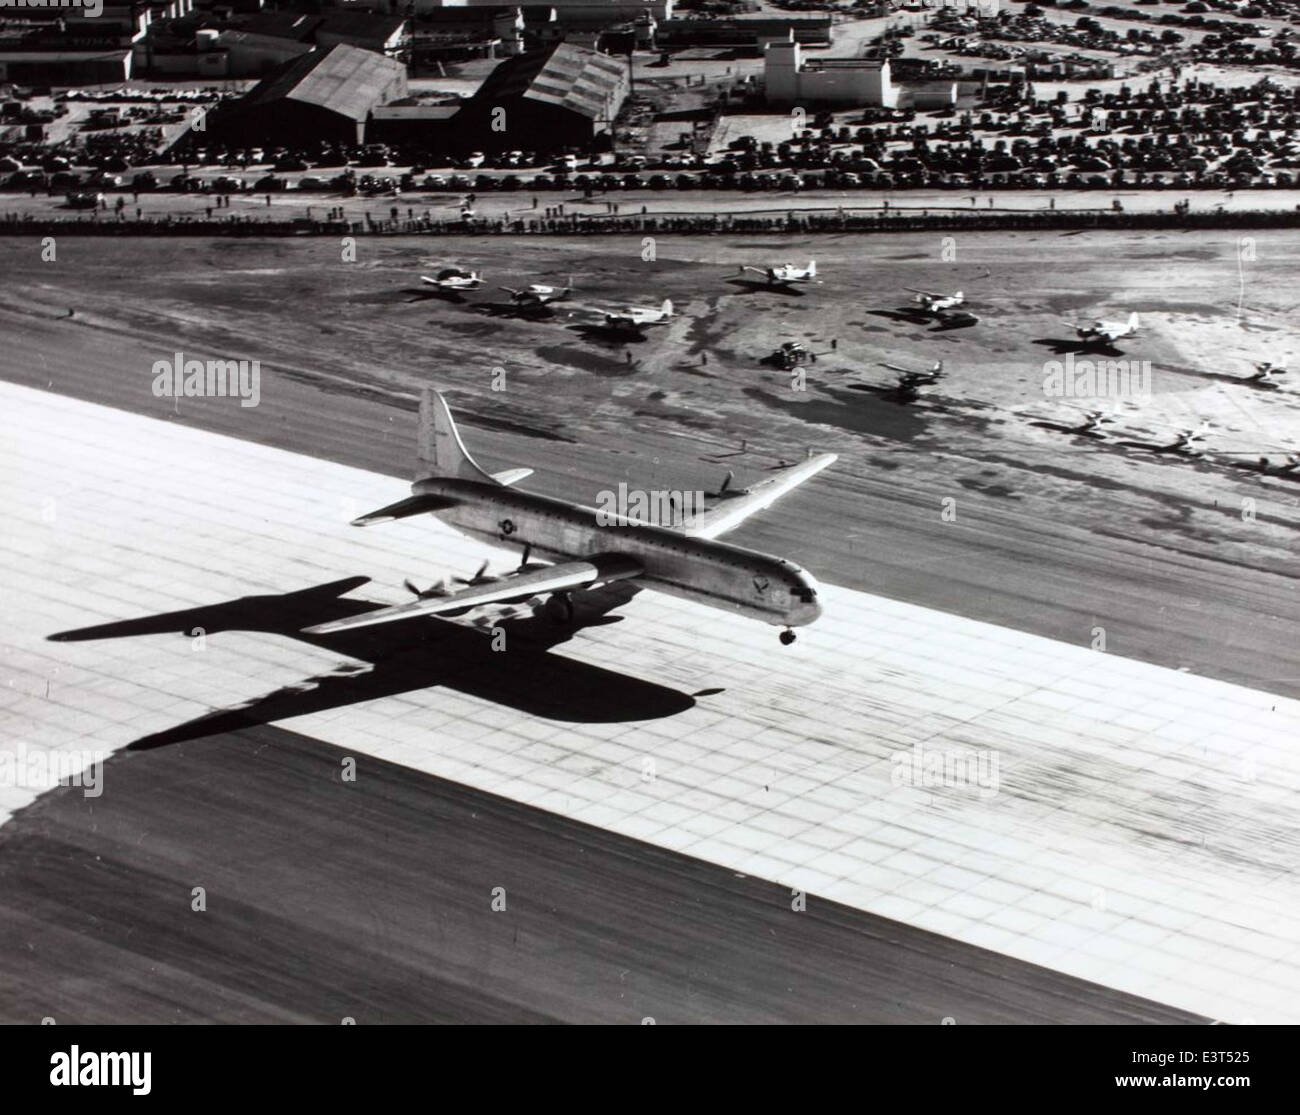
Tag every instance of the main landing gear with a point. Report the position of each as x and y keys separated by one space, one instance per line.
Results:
x=787 y=637
x=559 y=608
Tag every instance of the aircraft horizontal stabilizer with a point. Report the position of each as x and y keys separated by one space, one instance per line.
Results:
x=731 y=514
x=404 y=509
x=512 y=476
x=552 y=578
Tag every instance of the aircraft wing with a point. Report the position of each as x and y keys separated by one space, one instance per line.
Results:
x=731 y=514
x=552 y=578
x=412 y=505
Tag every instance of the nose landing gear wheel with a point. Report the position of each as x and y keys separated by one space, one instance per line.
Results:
x=787 y=637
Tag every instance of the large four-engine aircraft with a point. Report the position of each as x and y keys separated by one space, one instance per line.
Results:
x=686 y=561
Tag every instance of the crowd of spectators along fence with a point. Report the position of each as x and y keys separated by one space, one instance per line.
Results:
x=892 y=220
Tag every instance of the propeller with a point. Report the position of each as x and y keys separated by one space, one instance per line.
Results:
x=478 y=577
x=439 y=589
x=523 y=561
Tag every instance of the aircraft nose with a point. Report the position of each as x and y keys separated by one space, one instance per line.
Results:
x=807 y=607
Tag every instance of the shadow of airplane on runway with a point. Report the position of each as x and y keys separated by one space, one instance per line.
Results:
x=410 y=655
x=523 y=311
x=425 y=294
x=760 y=286
x=1061 y=345
x=934 y=323
x=605 y=334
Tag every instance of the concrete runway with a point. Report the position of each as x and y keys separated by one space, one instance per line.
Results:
x=859 y=526
x=1143 y=833
x=373 y=900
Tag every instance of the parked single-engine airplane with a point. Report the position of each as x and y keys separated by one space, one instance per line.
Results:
x=683 y=561
x=1265 y=371
x=638 y=317
x=910 y=379
x=787 y=273
x=536 y=294
x=936 y=303
x=1105 y=332
x=453 y=278
x=1188 y=439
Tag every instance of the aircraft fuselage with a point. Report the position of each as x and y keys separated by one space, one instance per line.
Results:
x=718 y=574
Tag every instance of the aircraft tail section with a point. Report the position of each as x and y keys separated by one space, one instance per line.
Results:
x=812 y=269
x=667 y=307
x=1133 y=322
x=441 y=452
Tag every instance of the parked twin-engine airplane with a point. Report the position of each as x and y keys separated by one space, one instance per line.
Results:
x=536 y=294
x=685 y=561
x=786 y=273
x=453 y=278
x=1105 y=332
x=638 y=317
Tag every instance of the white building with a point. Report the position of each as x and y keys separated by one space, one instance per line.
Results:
x=789 y=79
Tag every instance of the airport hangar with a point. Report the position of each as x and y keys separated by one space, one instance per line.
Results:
x=565 y=92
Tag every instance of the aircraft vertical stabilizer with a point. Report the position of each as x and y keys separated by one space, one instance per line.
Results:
x=441 y=452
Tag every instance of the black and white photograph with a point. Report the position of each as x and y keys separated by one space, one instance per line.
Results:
x=767 y=513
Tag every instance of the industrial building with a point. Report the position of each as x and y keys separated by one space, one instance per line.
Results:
x=560 y=97
x=53 y=45
x=790 y=79
x=745 y=32
x=453 y=34
x=65 y=67
x=256 y=45
x=324 y=95
x=601 y=12
x=931 y=96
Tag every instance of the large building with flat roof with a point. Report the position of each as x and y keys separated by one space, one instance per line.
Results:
x=753 y=32
x=603 y=12
x=791 y=80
